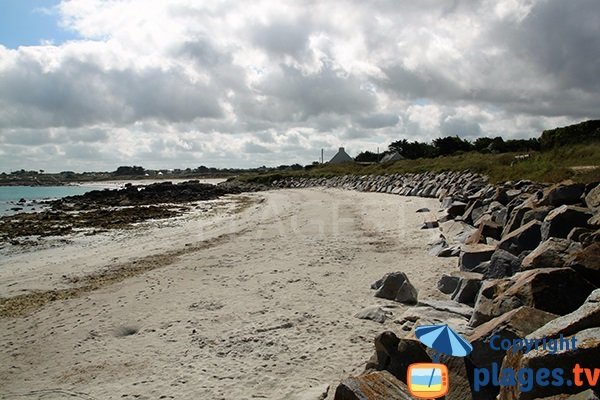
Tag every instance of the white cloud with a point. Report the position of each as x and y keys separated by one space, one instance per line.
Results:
x=184 y=83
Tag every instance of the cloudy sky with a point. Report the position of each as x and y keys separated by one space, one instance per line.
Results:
x=91 y=85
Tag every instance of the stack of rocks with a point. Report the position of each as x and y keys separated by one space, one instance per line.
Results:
x=528 y=266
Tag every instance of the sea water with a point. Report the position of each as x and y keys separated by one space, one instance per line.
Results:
x=10 y=195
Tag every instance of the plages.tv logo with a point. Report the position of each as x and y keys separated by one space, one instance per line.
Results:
x=430 y=380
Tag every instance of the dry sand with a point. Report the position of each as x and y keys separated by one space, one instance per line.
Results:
x=256 y=304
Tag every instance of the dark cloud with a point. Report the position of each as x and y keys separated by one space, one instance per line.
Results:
x=376 y=121
x=301 y=95
x=34 y=137
x=562 y=38
x=80 y=93
x=282 y=37
x=255 y=148
x=460 y=127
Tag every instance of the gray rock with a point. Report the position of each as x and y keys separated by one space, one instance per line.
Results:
x=407 y=294
x=467 y=290
x=514 y=324
x=394 y=355
x=552 y=253
x=456 y=232
x=446 y=202
x=536 y=288
x=473 y=255
x=576 y=233
x=515 y=217
x=479 y=215
x=592 y=199
x=586 y=316
x=438 y=246
x=502 y=264
x=587 y=263
x=430 y=224
x=537 y=214
x=561 y=194
x=374 y=313
x=422 y=210
x=374 y=386
x=586 y=354
x=394 y=286
x=560 y=221
x=594 y=221
x=448 y=283
x=452 y=251
x=527 y=237
x=468 y=214
x=456 y=208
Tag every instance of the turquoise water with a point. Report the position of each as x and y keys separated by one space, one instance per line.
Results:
x=10 y=195
x=426 y=376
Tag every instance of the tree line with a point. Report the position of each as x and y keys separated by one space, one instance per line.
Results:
x=584 y=132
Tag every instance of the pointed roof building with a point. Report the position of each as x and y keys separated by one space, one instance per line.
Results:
x=391 y=157
x=341 y=157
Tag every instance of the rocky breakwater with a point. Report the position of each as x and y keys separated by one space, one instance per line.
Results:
x=528 y=267
x=98 y=210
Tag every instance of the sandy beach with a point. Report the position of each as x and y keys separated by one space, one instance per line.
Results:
x=251 y=297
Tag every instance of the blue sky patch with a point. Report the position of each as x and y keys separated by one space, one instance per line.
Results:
x=30 y=22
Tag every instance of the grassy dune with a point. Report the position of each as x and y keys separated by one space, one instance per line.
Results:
x=569 y=162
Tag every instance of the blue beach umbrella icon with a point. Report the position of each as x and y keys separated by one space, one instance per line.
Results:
x=443 y=339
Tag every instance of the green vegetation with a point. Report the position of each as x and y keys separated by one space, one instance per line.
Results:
x=580 y=133
x=549 y=166
x=571 y=152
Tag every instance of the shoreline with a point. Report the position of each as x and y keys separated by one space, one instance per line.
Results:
x=298 y=266
x=267 y=309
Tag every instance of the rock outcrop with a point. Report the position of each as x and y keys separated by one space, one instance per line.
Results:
x=528 y=258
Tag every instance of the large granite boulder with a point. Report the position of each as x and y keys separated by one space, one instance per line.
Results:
x=552 y=253
x=456 y=208
x=526 y=237
x=560 y=221
x=468 y=214
x=407 y=293
x=585 y=317
x=536 y=214
x=394 y=355
x=592 y=199
x=474 y=254
x=486 y=229
x=562 y=193
x=456 y=232
x=585 y=355
x=374 y=386
x=396 y=286
x=512 y=325
x=515 y=216
x=467 y=289
x=448 y=283
x=535 y=288
x=587 y=262
x=502 y=264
